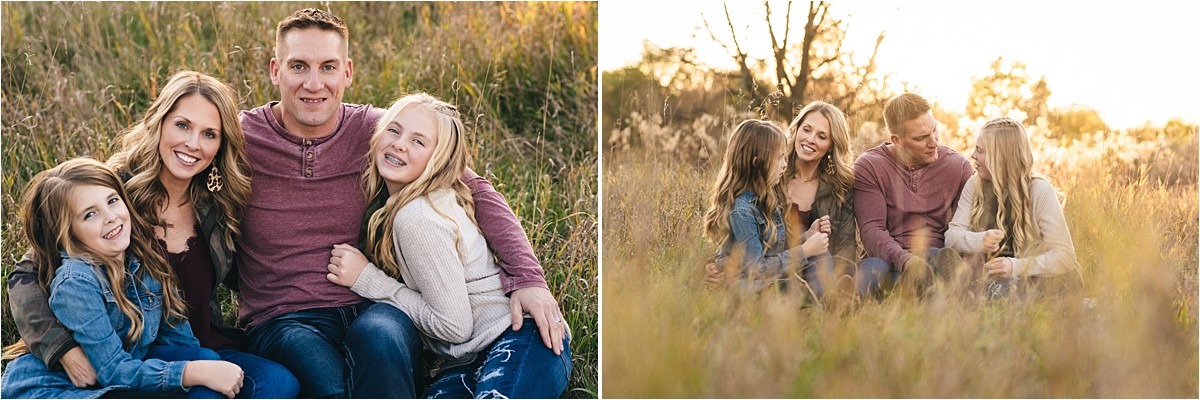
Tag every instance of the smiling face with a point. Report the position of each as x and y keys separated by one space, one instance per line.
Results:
x=405 y=147
x=918 y=142
x=980 y=157
x=813 y=138
x=100 y=220
x=312 y=71
x=189 y=138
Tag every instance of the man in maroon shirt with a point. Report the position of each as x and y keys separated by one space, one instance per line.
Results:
x=307 y=152
x=905 y=191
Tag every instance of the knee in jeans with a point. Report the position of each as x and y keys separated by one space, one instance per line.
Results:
x=274 y=383
x=873 y=267
x=384 y=327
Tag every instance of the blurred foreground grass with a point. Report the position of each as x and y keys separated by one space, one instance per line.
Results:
x=524 y=75
x=667 y=336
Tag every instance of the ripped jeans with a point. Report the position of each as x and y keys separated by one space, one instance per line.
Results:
x=516 y=365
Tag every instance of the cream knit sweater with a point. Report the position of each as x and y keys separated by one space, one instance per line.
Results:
x=452 y=295
x=1052 y=255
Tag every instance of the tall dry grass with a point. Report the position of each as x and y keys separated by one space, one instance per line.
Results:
x=524 y=75
x=666 y=335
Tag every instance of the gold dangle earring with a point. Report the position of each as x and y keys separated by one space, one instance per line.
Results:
x=829 y=163
x=214 y=180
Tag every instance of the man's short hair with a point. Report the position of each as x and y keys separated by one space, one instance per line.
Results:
x=312 y=18
x=903 y=108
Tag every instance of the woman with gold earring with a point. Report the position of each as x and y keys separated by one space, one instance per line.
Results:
x=818 y=183
x=818 y=179
x=185 y=168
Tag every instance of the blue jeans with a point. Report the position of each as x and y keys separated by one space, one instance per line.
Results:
x=366 y=350
x=819 y=268
x=517 y=365
x=181 y=353
x=874 y=274
x=264 y=379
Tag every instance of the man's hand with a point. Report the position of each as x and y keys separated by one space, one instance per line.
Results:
x=78 y=368
x=916 y=263
x=540 y=304
x=345 y=264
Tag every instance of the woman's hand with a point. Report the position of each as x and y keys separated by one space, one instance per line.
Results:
x=999 y=268
x=820 y=225
x=991 y=239
x=221 y=376
x=78 y=368
x=345 y=264
x=816 y=244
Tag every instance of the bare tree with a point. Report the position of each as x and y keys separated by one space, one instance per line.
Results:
x=802 y=73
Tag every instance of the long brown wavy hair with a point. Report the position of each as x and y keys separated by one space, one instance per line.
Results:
x=753 y=149
x=445 y=168
x=1009 y=159
x=46 y=213
x=842 y=177
x=138 y=155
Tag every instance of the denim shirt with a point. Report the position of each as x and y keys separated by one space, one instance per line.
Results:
x=759 y=268
x=83 y=301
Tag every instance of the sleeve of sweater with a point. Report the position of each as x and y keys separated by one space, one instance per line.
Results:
x=519 y=267
x=870 y=210
x=1058 y=256
x=959 y=236
x=425 y=248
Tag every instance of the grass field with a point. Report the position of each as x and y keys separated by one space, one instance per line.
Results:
x=524 y=74
x=666 y=335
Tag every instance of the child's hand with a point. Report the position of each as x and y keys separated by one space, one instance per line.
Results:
x=820 y=225
x=992 y=238
x=999 y=268
x=221 y=376
x=816 y=244
x=345 y=264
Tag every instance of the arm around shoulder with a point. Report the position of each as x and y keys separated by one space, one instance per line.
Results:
x=502 y=230
x=46 y=337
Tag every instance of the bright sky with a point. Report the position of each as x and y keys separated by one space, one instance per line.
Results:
x=1130 y=63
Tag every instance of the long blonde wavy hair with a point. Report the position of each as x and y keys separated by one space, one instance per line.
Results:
x=1009 y=159
x=138 y=155
x=842 y=177
x=47 y=217
x=754 y=147
x=445 y=168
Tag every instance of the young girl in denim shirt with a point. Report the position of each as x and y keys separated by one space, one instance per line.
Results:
x=112 y=291
x=746 y=192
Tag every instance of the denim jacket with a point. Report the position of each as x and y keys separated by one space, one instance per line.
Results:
x=48 y=340
x=83 y=301
x=759 y=268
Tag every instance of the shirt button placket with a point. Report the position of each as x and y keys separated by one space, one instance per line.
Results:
x=308 y=159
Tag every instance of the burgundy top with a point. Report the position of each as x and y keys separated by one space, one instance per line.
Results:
x=307 y=196
x=899 y=208
x=796 y=222
x=194 y=270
